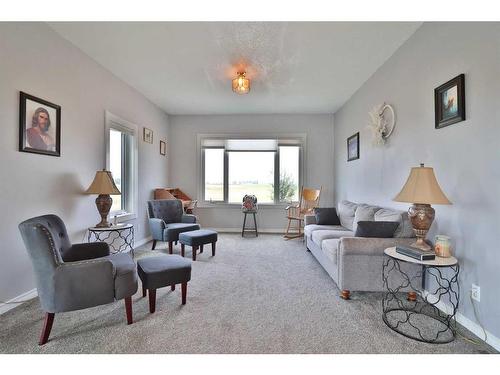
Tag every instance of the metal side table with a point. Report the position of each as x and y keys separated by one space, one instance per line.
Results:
x=410 y=309
x=120 y=237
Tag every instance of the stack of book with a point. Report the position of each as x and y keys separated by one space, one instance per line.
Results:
x=416 y=253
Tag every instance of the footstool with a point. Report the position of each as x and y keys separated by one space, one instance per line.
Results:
x=160 y=271
x=198 y=238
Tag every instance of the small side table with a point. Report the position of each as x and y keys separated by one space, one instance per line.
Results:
x=415 y=314
x=120 y=238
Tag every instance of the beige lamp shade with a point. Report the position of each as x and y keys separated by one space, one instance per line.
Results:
x=103 y=184
x=422 y=187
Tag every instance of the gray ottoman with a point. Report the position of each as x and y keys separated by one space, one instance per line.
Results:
x=157 y=272
x=196 y=239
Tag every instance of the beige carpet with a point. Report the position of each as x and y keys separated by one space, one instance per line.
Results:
x=257 y=295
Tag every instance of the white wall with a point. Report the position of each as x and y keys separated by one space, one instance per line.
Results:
x=318 y=167
x=34 y=59
x=465 y=156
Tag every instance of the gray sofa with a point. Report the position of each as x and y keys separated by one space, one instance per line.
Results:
x=355 y=263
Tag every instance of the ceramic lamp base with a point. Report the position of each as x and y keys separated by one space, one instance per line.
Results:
x=103 y=203
x=421 y=216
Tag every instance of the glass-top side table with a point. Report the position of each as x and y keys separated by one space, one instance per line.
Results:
x=120 y=237
x=410 y=309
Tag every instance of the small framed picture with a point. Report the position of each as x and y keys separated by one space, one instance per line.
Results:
x=148 y=135
x=353 y=147
x=39 y=126
x=163 y=148
x=449 y=102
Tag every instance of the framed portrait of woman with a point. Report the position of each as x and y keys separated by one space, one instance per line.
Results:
x=39 y=126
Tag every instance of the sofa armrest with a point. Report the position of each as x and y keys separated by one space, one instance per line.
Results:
x=369 y=246
x=156 y=226
x=188 y=219
x=309 y=219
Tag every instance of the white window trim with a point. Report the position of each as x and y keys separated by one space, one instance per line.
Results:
x=112 y=121
x=300 y=137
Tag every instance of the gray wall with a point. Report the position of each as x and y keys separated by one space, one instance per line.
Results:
x=34 y=59
x=465 y=156
x=319 y=158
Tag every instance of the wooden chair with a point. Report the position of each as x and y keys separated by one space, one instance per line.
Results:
x=309 y=199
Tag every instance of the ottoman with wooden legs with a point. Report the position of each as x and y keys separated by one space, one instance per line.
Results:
x=196 y=239
x=160 y=271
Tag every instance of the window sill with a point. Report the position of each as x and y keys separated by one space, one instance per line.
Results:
x=122 y=217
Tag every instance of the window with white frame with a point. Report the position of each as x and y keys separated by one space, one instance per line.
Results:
x=121 y=160
x=270 y=169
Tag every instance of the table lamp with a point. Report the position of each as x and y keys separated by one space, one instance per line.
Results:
x=421 y=189
x=104 y=185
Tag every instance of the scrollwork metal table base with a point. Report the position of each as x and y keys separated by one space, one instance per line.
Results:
x=120 y=238
x=417 y=315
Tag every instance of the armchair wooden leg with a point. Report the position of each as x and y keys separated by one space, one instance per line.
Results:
x=345 y=294
x=184 y=287
x=47 y=327
x=143 y=291
x=182 y=249
x=152 y=300
x=128 y=309
x=213 y=249
x=154 y=245
x=170 y=247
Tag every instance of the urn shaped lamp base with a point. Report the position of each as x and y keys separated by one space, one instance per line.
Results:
x=103 y=203
x=421 y=216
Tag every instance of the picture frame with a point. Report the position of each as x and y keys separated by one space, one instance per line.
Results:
x=163 y=148
x=449 y=102
x=353 y=147
x=147 y=135
x=39 y=126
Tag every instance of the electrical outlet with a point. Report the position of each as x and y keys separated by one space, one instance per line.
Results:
x=476 y=293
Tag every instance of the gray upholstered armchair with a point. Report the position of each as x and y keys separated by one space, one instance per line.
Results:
x=167 y=219
x=73 y=277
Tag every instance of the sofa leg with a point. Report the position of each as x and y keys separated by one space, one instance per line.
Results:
x=47 y=327
x=170 y=247
x=128 y=309
x=154 y=245
x=345 y=294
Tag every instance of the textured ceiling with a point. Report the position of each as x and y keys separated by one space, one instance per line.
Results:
x=187 y=67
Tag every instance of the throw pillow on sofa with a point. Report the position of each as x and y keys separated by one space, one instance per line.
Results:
x=364 y=212
x=346 y=212
x=326 y=216
x=378 y=229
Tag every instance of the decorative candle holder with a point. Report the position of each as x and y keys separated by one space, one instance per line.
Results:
x=442 y=246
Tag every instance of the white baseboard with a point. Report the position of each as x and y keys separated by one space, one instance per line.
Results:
x=4 y=307
x=467 y=323
x=16 y=301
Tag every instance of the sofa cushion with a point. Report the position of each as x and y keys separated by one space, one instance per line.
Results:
x=346 y=211
x=405 y=229
x=326 y=216
x=364 y=212
x=319 y=236
x=309 y=229
x=378 y=229
x=330 y=247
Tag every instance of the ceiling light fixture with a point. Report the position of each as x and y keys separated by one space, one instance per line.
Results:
x=241 y=84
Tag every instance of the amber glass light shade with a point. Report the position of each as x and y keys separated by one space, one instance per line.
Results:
x=241 y=84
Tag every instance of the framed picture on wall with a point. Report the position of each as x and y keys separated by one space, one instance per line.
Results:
x=39 y=126
x=163 y=148
x=353 y=147
x=449 y=102
x=147 y=135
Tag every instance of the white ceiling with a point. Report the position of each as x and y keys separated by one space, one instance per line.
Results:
x=294 y=67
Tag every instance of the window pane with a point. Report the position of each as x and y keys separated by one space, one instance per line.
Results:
x=214 y=174
x=115 y=165
x=251 y=173
x=289 y=173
